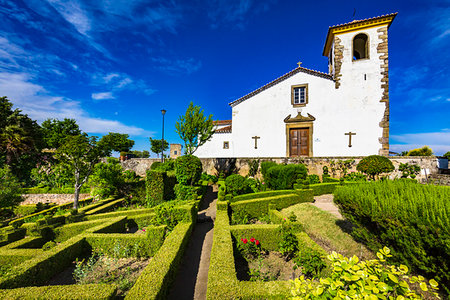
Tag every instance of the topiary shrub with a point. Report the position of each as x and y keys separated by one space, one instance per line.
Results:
x=282 y=177
x=186 y=192
x=188 y=169
x=374 y=165
x=265 y=166
x=237 y=185
x=313 y=179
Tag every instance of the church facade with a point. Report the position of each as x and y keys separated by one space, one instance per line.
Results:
x=344 y=112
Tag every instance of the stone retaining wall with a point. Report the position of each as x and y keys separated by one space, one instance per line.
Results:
x=50 y=198
x=440 y=179
x=428 y=164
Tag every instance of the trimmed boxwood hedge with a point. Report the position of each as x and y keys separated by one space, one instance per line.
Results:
x=155 y=280
x=106 y=207
x=269 y=235
x=222 y=280
x=159 y=187
x=259 y=207
x=57 y=292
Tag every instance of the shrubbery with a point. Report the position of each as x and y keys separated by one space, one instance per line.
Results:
x=281 y=177
x=313 y=179
x=9 y=189
x=265 y=166
x=237 y=185
x=372 y=279
x=188 y=169
x=374 y=165
x=412 y=219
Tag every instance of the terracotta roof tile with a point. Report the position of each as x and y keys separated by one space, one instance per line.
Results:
x=363 y=20
x=226 y=129
x=222 y=122
x=280 y=79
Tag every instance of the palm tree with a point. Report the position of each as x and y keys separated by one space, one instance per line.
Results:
x=14 y=141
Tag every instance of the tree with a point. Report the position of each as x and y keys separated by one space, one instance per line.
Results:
x=447 y=155
x=79 y=154
x=141 y=154
x=20 y=140
x=55 y=131
x=9 y=189
x=156 y=146
x=424 y=151
x=115 y=142
x=374 y=165
x=194 y=128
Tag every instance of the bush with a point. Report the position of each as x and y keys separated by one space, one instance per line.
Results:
x=350 y=279
x=186 y=192
x=188 y=169
x=311 y=261
x=313 y=179
x=9 y=189
x=265 y=166
x=155 y=165
x=159 y=187
x=355 y=176
x=374 y=165
x=253 y=166
x=108 y=179
x=409 y=170
x=412 y=219
x=447 y=155
x=283 y=177
x=424 y=151
x=237 y=185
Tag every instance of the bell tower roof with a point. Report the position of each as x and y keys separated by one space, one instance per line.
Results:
x=355 y=25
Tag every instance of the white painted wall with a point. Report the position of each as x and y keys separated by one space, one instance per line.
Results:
x=355 y=106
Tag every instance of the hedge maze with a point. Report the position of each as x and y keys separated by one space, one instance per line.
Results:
x=27 y=266
x=223 y=282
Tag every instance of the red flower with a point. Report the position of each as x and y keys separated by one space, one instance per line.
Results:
x=244 y=241
x=252 y=240
x=257 y=242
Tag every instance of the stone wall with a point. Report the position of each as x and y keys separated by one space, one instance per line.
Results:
x=440 y=179
x=50 y=198
x=428 y=165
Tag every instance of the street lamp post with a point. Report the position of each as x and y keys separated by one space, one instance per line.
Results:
x=163 y=111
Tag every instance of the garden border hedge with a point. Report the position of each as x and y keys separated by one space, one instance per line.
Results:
x=57 y=292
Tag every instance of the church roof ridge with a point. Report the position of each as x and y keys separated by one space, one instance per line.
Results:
x=355 y=24
x=280 y=79
x=226 y=129
x=363 y=20
x=222 y=122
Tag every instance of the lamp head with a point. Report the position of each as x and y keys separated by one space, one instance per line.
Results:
x=163 y=111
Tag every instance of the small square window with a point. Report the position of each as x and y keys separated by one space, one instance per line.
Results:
x=226 y=145
x=299 y=95
x=175 y=152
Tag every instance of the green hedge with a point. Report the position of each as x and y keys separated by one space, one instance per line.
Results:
x=128 y=245
x=56 y=292
x=409 y=218
x=268 y=235
x=67 y=231
x=41 y=268
x=222 y=280
x=155 y=280
x=114 y=214
x=159 y=187
x=259 y=207
x=106 y=207
x=260 y=195
x=12 y=236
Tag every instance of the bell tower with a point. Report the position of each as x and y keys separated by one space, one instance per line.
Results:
x=358 y=60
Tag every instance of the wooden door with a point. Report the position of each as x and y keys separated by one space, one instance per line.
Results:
x=298 y=141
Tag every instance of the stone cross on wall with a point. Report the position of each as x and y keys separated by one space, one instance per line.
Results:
x=350 y=137
x=256 y=141
x=299 y=63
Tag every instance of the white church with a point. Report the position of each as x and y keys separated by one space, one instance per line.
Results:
x=309 y=113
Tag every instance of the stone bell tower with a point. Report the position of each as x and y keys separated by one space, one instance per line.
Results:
x=358 y=60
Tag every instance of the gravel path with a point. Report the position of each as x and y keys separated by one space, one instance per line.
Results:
x=192 y=278
x=325 y=202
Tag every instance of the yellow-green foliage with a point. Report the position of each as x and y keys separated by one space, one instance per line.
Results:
x=259 y=207
x=372 y=279
x=424 y=151
x=410 y=218
x=268 y=235
x=57 y=292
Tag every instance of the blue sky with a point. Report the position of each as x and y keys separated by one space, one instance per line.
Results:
x=113 y=65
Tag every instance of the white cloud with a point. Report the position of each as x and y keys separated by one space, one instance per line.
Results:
x=103 y=96
x=438 y=141
x=72 y=12
x=40 y=104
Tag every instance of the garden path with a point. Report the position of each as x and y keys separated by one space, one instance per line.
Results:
x=192 y=278
x=325 y=202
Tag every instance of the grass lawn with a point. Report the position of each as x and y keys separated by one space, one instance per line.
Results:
x=328 y=231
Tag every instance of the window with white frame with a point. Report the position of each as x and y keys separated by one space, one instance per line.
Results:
x=299 y=95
